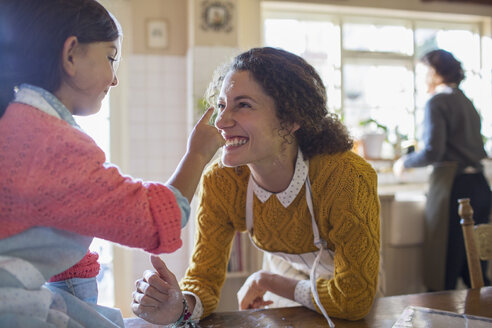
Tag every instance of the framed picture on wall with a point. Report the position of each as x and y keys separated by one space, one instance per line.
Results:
x=157 y=34
x=217 y=16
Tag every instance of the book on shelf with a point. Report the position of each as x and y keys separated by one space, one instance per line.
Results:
x=237 y=258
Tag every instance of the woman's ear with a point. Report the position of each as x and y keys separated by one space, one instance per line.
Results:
x=295 y=127
x=68 y=55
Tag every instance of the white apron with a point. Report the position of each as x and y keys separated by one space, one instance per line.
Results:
x=306 y=262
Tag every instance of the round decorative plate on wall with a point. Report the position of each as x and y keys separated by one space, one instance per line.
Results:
x=217 y=16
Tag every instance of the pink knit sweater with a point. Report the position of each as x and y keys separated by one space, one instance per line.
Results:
x=54 y=175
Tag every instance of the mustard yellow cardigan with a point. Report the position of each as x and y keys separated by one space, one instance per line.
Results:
x=346 y=209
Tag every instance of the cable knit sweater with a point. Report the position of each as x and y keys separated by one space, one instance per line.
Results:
x=346 y=208
x=54 y=175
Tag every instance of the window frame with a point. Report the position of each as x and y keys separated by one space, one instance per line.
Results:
x=478 y=25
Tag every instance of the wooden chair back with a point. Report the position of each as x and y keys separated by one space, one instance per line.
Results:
x=478 y=242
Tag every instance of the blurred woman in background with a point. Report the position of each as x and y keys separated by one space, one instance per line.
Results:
x=454 y=146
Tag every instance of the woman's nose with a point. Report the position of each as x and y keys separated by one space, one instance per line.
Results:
x=224 y=119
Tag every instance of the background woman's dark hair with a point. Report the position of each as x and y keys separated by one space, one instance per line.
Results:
x=299 y=95
x=32 y=35
x=444 y=63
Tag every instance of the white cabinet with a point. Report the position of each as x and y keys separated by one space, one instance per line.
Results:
x=402 y=237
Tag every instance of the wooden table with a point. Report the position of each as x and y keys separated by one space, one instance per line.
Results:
x=384 y=312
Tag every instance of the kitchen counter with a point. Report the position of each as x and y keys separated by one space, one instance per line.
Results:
x=399 y=189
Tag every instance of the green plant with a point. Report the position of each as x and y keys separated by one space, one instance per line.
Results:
x=373 y=123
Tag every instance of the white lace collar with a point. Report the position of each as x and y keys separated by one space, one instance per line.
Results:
x=287 y=196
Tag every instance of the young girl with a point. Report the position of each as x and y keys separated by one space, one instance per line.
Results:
x=58 y=59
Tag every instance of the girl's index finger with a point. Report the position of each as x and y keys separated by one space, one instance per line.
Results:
x=207 y=115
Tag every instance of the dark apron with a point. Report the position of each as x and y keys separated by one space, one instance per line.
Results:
x=436 y=227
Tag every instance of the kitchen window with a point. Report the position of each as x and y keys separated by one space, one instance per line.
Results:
x=370 y=62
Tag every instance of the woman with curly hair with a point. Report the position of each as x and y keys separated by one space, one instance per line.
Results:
x=288 y=177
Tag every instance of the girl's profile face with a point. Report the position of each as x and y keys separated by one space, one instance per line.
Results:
x=247 y=121
x=95 y=66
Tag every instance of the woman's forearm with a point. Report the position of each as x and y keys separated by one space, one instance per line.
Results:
x=277 y=284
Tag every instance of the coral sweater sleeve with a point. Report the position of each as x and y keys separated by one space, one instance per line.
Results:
x=56 y=176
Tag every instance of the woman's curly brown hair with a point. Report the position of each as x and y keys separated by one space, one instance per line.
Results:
x=299 y=95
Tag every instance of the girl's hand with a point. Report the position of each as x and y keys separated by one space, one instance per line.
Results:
x=203 y=143
x=205 y=139
x=158 y=298
x=250 y=296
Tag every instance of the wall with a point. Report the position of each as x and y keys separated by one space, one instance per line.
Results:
x=174 y=12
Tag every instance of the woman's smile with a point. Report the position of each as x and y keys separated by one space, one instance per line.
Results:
x=235 y=142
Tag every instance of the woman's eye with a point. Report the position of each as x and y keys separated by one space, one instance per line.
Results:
x=244 y=104
x=220 y=106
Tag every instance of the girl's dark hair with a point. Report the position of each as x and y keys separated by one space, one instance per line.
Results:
x=32 y=35
x=444 y=63
x=299 y=95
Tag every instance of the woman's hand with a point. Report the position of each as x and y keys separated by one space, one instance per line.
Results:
x=250 y=296
x=399 y=167
x=158 y=298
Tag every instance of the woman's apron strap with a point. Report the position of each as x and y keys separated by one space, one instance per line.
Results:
x=318 y=241
x=321 y=244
